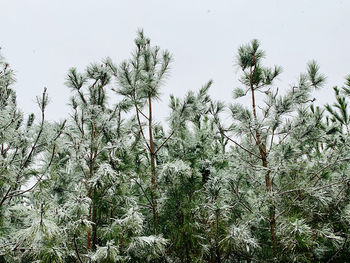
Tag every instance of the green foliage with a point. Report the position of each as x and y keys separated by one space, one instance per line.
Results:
x=269 y=184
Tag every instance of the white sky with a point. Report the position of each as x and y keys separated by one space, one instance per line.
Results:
x=42 y=39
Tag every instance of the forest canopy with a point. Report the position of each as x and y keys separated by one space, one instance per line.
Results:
x=111 y=184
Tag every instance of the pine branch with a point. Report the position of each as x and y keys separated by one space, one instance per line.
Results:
x=171 y=134
x=240 y=146
x=76 y=248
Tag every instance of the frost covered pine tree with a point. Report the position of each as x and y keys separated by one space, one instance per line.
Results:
x=23 y=166
x=93 y=178
x=140 y=79
x=283 y=157
x=188 y=163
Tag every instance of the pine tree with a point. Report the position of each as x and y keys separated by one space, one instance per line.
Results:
x=280 y=146
x=22 y=168
x=140 y=79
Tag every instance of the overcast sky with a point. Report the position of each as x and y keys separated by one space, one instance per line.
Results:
x=42 y=39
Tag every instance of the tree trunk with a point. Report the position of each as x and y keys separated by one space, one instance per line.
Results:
x=153 y=167
x=263 y=154
x=94 y=226
x=88 y=238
